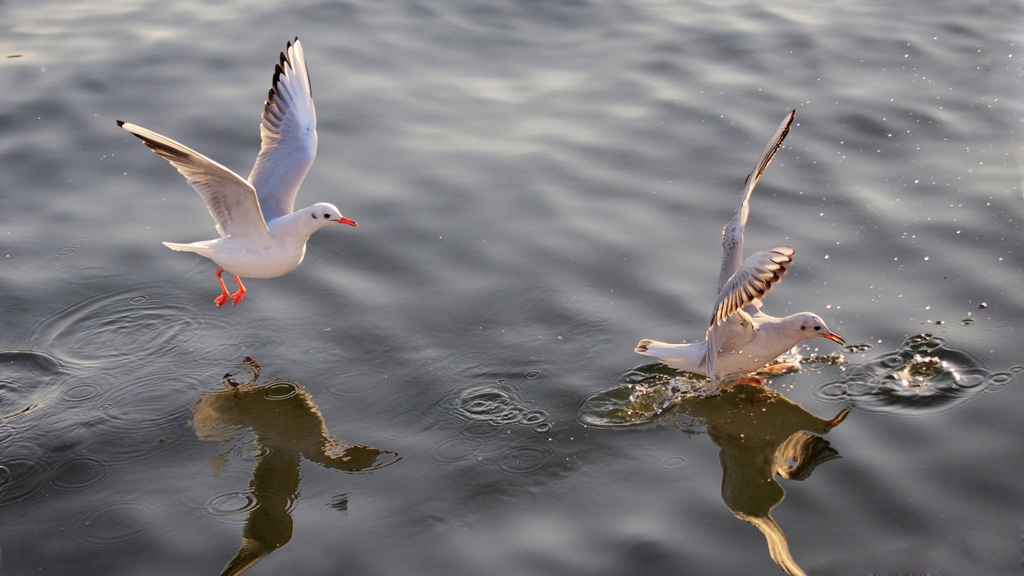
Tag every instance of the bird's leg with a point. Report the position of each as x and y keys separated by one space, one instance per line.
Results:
x=224 y=294
x=780 y=369
x=837 y=419
x=751 y=380
x=237 y=296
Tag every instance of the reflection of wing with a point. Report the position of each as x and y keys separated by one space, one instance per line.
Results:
x=800 y=454
x=230 y=200
x=732 y=236
x=288 y=132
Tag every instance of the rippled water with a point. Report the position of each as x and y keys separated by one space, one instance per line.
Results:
x=539 y=185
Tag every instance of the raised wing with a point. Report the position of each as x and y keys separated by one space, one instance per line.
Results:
x=288 y=133
x=732 y=236
x=231 y=201
x=748 y=285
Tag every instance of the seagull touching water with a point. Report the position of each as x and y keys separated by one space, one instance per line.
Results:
x=741 y=338
x=261 y=236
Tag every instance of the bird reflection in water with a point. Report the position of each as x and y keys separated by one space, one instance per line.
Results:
x=286 y=426
x=760 y=433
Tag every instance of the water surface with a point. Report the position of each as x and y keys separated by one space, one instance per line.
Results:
x=539 y=185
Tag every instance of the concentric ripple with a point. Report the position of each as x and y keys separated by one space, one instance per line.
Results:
x=117 y=523
x=231 y=503
x=22 y=479
x=526 y=459
x=79 y=472
x=496 y=405
x=117 y=325
x=923 y=376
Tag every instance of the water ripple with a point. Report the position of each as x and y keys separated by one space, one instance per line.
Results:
x=526 y=459
x=922 y=376
x=496 y=405
x=79 y=472
x=231 y=503
x=22 y=479
x=118 y=325
x=117 y=523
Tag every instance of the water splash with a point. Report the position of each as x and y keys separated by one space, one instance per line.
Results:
x=922 y=376
x=643 y=394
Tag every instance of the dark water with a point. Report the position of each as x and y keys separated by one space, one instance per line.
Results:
x=451 y=387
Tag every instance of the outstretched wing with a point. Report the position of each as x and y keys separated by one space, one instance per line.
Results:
x=747 y=286
x=231 y=201
x=288 y=134
x=750 y=283
x=732 y=236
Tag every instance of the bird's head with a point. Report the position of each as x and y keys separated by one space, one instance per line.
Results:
x=325 y=213
x=812 y=326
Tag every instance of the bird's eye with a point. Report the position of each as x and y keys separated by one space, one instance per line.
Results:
x=327 y=216
x=816 y=328
x=314 y=216
x=803 y=327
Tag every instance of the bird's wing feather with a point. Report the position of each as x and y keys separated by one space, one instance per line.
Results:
x=732 y=235
x=288 y=134
x=750 y=283
x=747 y=286
x=230 y=199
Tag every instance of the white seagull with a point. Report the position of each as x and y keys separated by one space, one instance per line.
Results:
x=741 y=339
x=261 y=235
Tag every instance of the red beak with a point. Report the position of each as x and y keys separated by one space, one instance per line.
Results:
x=344 y=220
x=835 y=338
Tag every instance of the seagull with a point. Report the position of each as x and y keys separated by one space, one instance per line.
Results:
x=741 y=338
x=261 y=234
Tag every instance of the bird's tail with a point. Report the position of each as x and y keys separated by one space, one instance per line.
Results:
x=688 y=357
x=201 y=248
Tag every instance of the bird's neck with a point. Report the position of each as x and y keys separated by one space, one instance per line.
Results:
x=295 y=228
x=784 y=333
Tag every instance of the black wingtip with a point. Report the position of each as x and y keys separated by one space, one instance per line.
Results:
x=120 y=123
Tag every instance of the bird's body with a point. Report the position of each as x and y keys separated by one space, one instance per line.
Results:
x=261 y=236
x=741 y=338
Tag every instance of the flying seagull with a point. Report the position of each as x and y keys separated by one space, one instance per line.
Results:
x=261 y=235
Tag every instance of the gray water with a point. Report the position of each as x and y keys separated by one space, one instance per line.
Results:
x=451 y=388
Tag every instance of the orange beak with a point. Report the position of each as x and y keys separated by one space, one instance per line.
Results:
x=344 y=220
x=834 y=337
